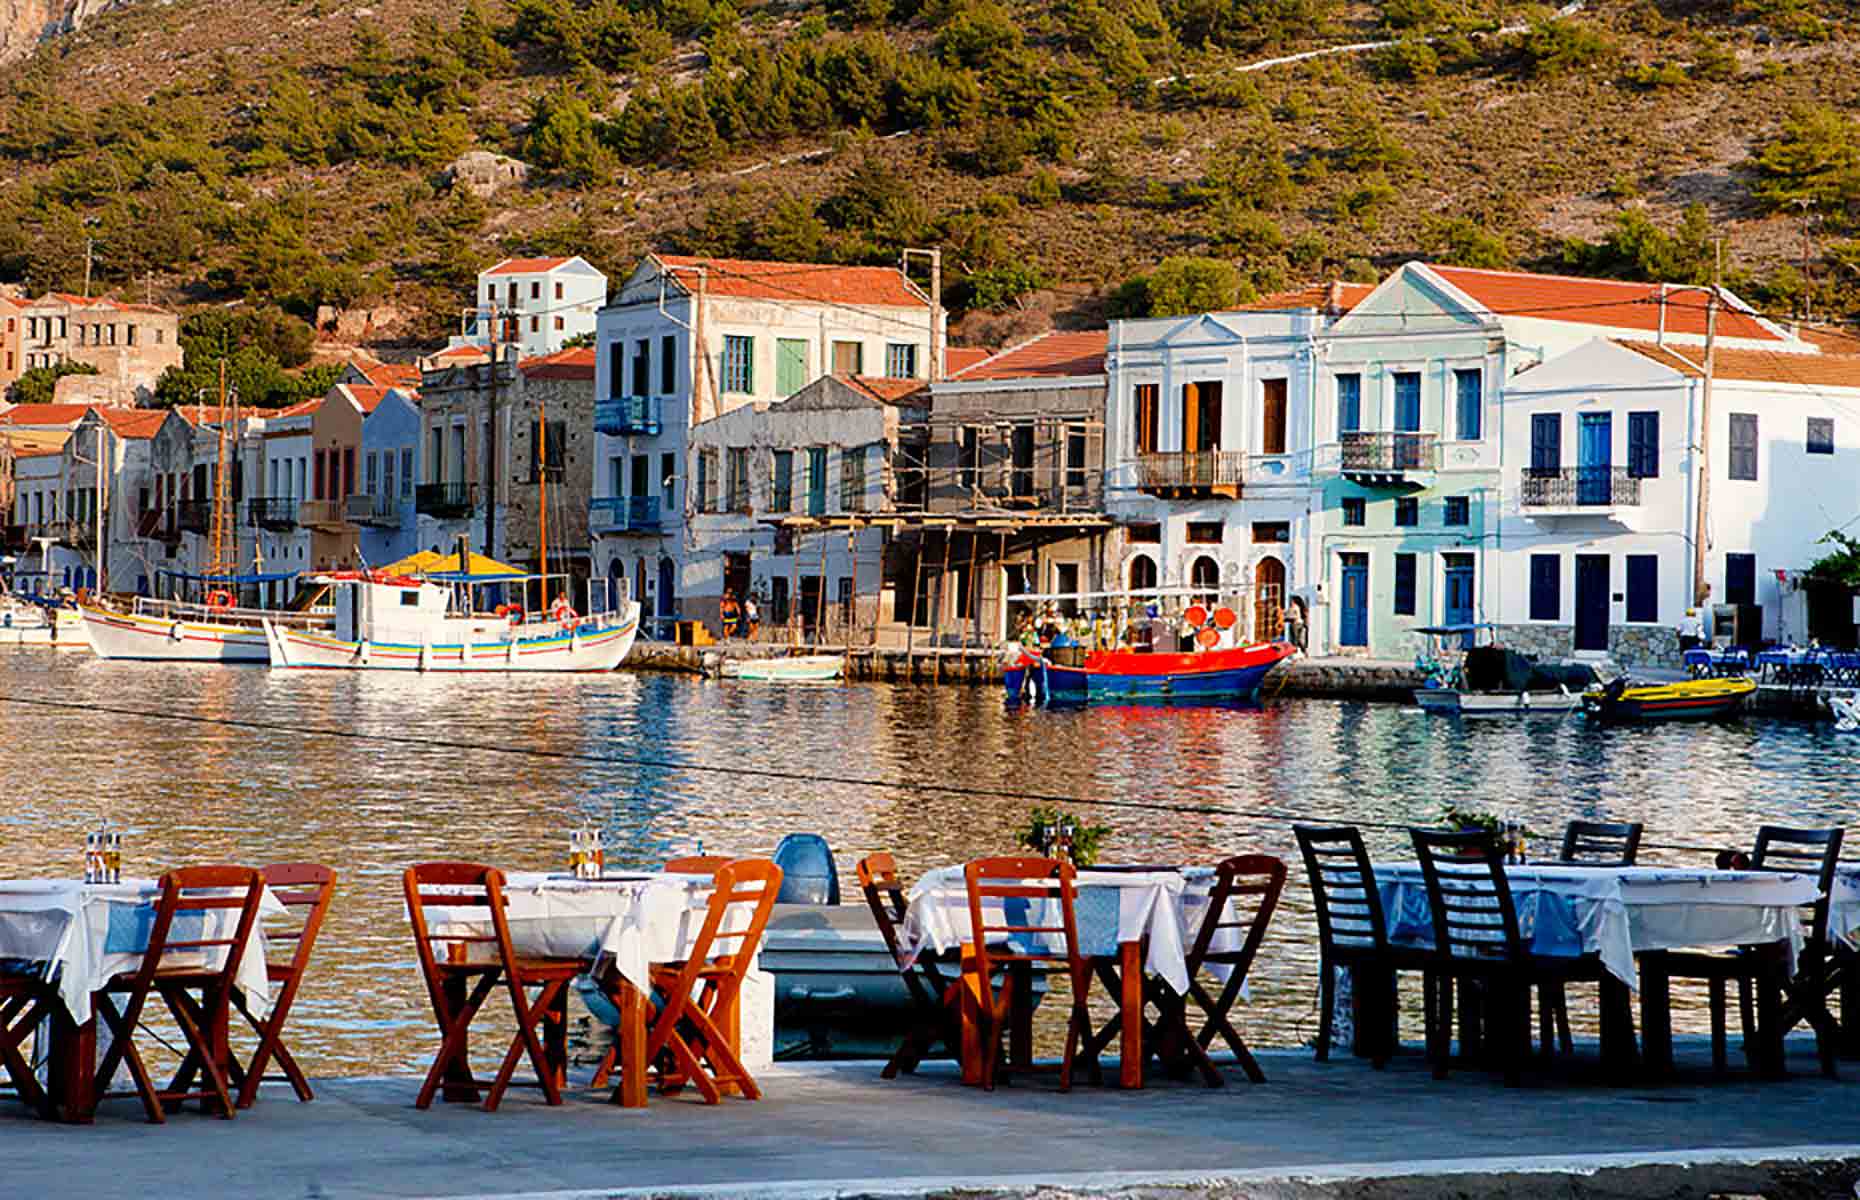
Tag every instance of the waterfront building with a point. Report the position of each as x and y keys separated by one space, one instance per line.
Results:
x=123 y=440
x=383 y=507
x=281 y=450
x=1599 y=507
x=46 y=559
x=688 y=340
x=12 y=317
x=541 y=304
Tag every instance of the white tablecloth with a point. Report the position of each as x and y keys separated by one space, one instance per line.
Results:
x=1617 y=911
x=1112 y=907
x=86 y=934
x=631 y=920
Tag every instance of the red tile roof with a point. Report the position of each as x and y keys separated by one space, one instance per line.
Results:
x=462 y=352
x=1335 y=297
x=1830 y=338
x=818 y=283
x=957 y=359
x=1756 y=366
x=400 y=375
x=366 y=398
x=134 y=423
x=1605 y=302
x=47 y=414
x=883 y=390
x=527 y=266
x=576 y=362
x=1051 y=355
x=304 y=409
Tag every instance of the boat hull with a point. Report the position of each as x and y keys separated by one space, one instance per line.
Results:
x=1122 y=675
x=585 y=648
x=1695 y=700
x=807 y=668
x=1450 y=701
x=156 y=639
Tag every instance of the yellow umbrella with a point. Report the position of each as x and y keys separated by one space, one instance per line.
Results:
x=426 y=562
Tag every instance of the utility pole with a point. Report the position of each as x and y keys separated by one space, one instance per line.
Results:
x=1700 y=589
x=87 y=246
x=103 y=566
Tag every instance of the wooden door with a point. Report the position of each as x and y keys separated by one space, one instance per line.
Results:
x=1268 y=600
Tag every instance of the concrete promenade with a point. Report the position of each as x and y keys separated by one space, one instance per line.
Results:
x=1338 y=1129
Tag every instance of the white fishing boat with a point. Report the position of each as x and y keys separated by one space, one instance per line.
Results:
x=175 y=631
x=24 y=623
x=799 y=668
x=1487 y=680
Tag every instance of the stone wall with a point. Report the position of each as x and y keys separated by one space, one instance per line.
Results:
x=1629 y=645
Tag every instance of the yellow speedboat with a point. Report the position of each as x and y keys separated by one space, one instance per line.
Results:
x=1691 y=699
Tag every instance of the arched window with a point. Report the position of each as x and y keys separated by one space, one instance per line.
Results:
x=1204 y=575
x=1142 y=573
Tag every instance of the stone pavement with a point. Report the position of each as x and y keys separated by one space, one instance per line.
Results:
x=837 y=1129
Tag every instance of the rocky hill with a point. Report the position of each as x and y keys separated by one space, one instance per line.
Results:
x=1071 y=158
x=24 y=24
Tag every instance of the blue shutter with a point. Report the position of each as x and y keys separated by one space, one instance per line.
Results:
x=1644 y=445
x=1546 y=587
x=1349 y=403
x=1468 y=391
x=1546 y=443
x=1740 y=579
x=1407 y=401
x=1404 y=585
x=1643 y=588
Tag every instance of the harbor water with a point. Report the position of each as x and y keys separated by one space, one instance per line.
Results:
x=371 y=771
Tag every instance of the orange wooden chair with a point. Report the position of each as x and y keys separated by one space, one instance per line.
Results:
x=25 y=1001
x=688 y=1041
x=697 y=864
x=1011 y=915
x=472 y=886
x=300 y=887
x=936 y=997
x=197 y=894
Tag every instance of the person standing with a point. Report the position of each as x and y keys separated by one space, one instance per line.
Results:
x=730 y=614
x=752 y=615
x=1691 y=631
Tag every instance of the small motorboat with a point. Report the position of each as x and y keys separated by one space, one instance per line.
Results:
x=798 y=668
x=1691 y=699
x=1492 y=680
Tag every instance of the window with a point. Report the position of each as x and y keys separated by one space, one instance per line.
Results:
x=535 y=324
x=1546 y=587
x=1075 y=458
x=371 y=480
x=1146 y=405
x=558 y=289
x=816 y=481
x=1546 y=443
x=548 y=449
x=1404 y=585
x=1821 y=435
x=1468 y=395
x=406 y=472
x=1408 y=401
x=901 y=360
x=739 y=371
x=1349 y=403
x=852 y=479
x=536 y=289
x=737 y=467
x=560 y=323
x=778 y=600
x=1204 y=533
x=1146 y=534
x=616 y=368
x=968 y=470
x=1644 y=445
x=387 y=475
x=1272 y=416
x=1643 y=588
x=668 y=479
x=1142 y=573
x=642 y=367
x=790 y=366
x=410 y=598
x=781 y=489
x=707 y=480
x=1355 y=511
x=1744 y=446
x=845 y=586
x=1266 y=533
x=668 y=363
x=1459 y=511
x=849 y=358
x=1407 y=510
x=1740 y=579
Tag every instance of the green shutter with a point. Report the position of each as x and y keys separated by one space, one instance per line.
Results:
x=790 y=365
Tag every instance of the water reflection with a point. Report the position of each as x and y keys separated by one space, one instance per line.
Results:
x=200 y=791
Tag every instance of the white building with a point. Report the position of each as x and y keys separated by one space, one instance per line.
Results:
x=688 y=340
x=542 y=302
x=1598 y=517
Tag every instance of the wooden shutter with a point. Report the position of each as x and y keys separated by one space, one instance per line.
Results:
x=1272 y=436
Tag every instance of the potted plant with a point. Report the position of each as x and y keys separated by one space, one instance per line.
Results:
x=1047 y=828
x=1466 y=820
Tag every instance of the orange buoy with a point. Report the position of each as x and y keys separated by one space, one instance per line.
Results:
x=1225 y=618
x=1196 y=615
x=219 y=598
x=1208 y=638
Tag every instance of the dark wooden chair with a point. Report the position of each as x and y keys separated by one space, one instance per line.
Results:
x=935 y=996
x=25 y=1001
x=1353 y=934
x=1780 y=998
x=173 y=968
x=1477 y=942
x=447 y=964
x=1585 y=844
x=1007 y=945
x=306 y=890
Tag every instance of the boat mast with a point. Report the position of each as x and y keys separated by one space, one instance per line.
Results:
x=542 y=496
x=222 y=485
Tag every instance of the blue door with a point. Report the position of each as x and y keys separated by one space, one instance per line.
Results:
x=668 y=603
x=1591 y=602
x=1459 y=588
x=1594 y=462
x=1353 y=626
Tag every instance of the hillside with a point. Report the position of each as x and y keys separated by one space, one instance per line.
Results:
x=1055 y=152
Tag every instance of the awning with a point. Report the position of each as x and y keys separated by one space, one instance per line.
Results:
x=253 y=577
x=446 y=566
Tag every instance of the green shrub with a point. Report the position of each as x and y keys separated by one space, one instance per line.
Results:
x=564 y=138
x=1638 y=249
x=1407 y=60
x=1658 y=74
x=1183 y=285
x=1402 y=15
x=1714 y=61
x=995 y=288
x=1464 y=242
x=1553 y=47
x=1042 y=189
x=1366 y=144
x=1815 y=160
x=40 y=384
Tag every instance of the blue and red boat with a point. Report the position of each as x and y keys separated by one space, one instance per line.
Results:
x=1223 y=674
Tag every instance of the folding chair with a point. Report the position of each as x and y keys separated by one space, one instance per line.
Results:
x=697 y=864
x=1257 y=878
x=936 y=998
x=1008 y=944
x=298 y=886
x=207 y=892
x=471 y=886
x=1587 y=844
x=24 y=1002
x=694 y=996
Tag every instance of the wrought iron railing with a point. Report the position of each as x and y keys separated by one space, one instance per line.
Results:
x=1191 y=469
x=1390 y=451
x=445 y=499
x=622 y=415
x=624 y=514
x=272 y=512
x=382 y=511
x=1580 y=487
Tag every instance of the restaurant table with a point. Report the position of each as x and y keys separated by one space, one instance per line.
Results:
x=82 y=935
x=629 y=920
x=1144 y=918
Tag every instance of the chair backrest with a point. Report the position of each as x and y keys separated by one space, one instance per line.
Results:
x=1814 y=852
x=697 y=864
x=305 y=889
x=1474 y=916
x=211 y=892
x=884 y=895
x=808 y=873
x=1245 y=895
x=1343 y=888
x=1601 y=843
x=741 y=901
x=1013 y=904
x=468 y=886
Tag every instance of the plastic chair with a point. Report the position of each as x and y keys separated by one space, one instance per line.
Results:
x=936 y=998
x=808 y=873
x=307 y=887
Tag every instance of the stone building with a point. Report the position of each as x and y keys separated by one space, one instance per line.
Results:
x=130 y=345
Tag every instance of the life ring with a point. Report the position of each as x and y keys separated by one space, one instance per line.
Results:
x=219 y=598
x=1225 y=618
x=1196 y=615
x=564 y=612
x=1208 y=638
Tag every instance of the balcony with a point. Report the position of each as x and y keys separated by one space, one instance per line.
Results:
x=445 y=501
x=325 y=515
x=1390 y=458
x=194 y=516
x=624 y=415
x=382 y=512
x=1578 y=491
x=623 y=514
x=276 y=513
x=1191 y=474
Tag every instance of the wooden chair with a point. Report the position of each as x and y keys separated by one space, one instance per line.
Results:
x=1758 y=970
x=1353 y=933
x=694 y=996
x=1006 y=946
x=449 y=971
x=198 y=894
x=1477 y=941
x=697 y=864
x=25 y=1001
x=936 y=998
x=305 y=888
x=1588 y=844
x=1246 y=881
